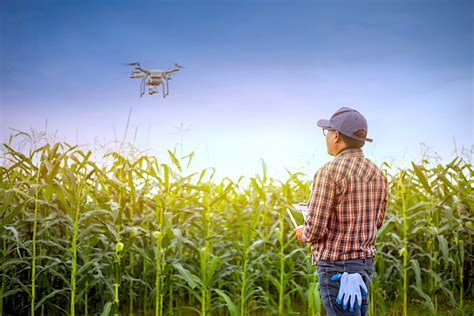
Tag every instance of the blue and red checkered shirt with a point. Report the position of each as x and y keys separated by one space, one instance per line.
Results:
x=346 y=207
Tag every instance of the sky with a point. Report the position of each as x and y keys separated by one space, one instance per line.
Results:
x=256 y=77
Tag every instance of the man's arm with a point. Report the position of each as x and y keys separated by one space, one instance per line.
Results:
x=319 y=206
x=383 y=207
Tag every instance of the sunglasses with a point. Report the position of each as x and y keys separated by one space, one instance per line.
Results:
x=326 y=130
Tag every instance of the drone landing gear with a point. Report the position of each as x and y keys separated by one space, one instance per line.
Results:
x=142 y=87
x=166 y=90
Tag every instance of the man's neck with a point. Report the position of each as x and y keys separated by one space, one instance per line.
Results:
x=340 y=151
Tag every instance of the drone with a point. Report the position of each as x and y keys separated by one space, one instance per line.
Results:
x=153 y=78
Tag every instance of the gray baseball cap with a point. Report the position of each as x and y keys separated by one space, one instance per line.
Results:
x=347 y=121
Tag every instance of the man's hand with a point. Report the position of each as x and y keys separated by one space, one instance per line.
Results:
x=350 y=289
x=299 y=233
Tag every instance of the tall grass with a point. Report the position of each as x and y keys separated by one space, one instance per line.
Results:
x=33 y=263
x=139 y=235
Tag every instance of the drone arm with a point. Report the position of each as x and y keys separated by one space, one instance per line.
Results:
x=171 y=71
x=142 y=70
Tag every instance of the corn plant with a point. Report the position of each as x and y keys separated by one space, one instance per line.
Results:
x=135 y=234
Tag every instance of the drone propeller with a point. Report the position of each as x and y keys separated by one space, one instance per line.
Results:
x=134 y=64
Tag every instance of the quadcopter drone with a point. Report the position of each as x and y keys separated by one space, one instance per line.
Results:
x=153 y=78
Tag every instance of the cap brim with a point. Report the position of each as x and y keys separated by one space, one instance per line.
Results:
x=324 y=123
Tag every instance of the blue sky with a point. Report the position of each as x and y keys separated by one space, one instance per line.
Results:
x=257 y=76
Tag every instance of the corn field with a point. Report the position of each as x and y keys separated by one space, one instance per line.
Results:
x=137 y=235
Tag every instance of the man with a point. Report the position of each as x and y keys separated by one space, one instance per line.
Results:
x=346 y=207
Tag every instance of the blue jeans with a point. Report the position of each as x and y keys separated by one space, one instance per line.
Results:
x=329 y=289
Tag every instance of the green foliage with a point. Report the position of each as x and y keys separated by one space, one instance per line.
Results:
x=139 y=236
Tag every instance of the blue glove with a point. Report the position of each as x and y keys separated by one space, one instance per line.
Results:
x=350 y=288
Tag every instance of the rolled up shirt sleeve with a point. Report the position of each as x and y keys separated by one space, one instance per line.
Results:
x=320 y=205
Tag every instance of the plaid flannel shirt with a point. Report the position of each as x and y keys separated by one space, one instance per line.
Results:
x=346 y=207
